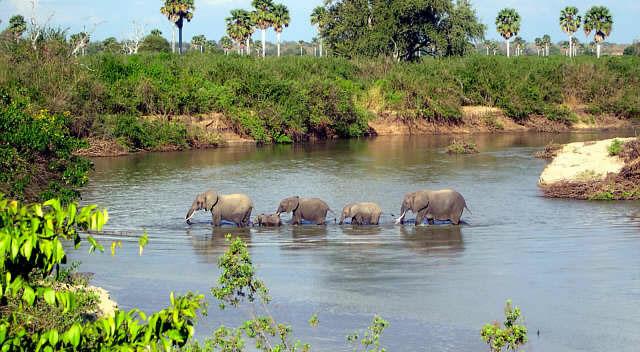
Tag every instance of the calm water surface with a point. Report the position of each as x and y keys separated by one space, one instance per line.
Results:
x=573 y=267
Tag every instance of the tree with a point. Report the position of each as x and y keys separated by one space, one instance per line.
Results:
x=570 y=23
x=155 y=42
x=263 y=19
x=17 y=26
x=199 y=41
x=599 y=20
x=226 y=43
x=520 y=44
x=508 y=25
x=238 y=27
x=539 y=45
x=79 y=43
x=319 y=20
x=281 y=19
x=511 y=335
x=177 y=11
x=301 y=45
x=404 y=29
x=111 y=45
x=546 y=41
x=463 y=28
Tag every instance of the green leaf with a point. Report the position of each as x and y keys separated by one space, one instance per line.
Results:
x=73 y=335
x=29 y=295
x=49 y=296
x=142 y=242
x=53 y=337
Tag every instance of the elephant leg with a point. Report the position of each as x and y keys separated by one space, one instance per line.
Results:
x=375 y=220
x=356 y=220
x=216 y=219
x=295 y=219
x=247 y=218
x=420 y=217
x=455 y=219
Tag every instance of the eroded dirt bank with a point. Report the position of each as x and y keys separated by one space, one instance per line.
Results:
x=216 y=130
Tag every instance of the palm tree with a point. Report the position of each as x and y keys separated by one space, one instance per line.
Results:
x=570 y=23
x=263 y=18
x=598 y=19
x=487 y=45
x=538 y=43
x=17 y=26
x=281 y=19
x=199 y=41
x=546 y=41
x=508 y=25
x=155 y=32
x=237 y=25
x=177 y=11
x=226 y=43
x=319 y=20
x=301 y=45
x=520 y=45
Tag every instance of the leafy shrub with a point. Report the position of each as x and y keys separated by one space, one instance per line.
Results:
x=31 y=248
x=36 y=154
x=462 y=147
x=511 y=335
x=615 y=148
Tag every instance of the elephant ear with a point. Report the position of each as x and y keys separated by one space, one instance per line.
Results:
x=210 y=199
x=295 y=203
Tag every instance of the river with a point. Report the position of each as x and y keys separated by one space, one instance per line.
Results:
x=572 y=266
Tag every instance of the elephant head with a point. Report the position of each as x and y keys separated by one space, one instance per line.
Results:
x=288 y=205
x=415 y=202
x=206 y=201
x=346 y=213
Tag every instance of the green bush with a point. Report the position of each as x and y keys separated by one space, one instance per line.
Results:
x=615 y=148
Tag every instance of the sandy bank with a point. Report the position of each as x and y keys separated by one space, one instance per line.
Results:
x=588 y=171
x=106 y=306
x=583 y=161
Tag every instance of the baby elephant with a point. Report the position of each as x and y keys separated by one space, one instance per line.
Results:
x=268 y=220
x=361 y=213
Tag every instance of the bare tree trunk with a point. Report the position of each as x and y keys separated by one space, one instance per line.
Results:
x=598 y=50
x=248 y=46
x=320 y=47
x=508 y=49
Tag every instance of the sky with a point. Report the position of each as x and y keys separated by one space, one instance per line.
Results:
x=106 y=18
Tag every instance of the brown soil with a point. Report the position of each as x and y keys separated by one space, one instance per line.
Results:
x=103 y=147
x=215 y=130
x=550 y=151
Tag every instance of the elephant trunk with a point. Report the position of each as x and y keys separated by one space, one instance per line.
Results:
x=190 y=215
x=341 y=219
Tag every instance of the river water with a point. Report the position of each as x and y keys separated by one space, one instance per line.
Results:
x=572 y=266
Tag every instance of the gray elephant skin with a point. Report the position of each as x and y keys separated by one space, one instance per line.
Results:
x=235 y=208
x=446 y=204
x=309 y=209
x=268 y=220
x=365 y=213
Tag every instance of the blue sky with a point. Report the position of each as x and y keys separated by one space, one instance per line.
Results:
x=114 y=17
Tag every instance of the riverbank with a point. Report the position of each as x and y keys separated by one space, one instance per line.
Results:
x=599 y=170
x=216 y=130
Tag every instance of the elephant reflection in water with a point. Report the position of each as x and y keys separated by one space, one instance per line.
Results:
x=437 y=240
x=210 y=244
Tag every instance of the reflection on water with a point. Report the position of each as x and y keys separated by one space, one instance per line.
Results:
x=572 y=266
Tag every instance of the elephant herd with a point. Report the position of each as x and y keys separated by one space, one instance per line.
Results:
x=442 y=205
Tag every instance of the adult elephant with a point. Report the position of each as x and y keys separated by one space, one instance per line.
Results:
x=361 y=213
x=310 y=209
x=443 y=205
x=235 y=208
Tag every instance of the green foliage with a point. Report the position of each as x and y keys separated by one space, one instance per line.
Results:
x=237 y=280
x=511 y=335
x=615 y=148
x=369 y=341
x=144 y=134
x=403 y=30
x=462 y=147
x=155 y=43
x=31 y=247
x=508 y=23
x=560 y=113
x=36 y=155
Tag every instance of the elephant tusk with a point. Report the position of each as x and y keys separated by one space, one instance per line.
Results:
x=398 y=220
x=189 y=218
